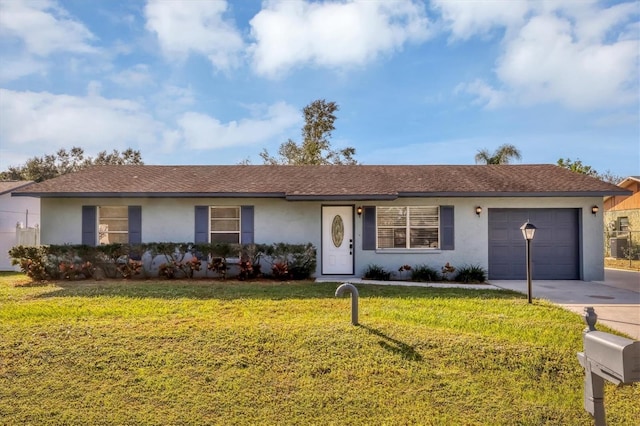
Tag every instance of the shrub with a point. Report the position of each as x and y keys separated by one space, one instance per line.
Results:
x=180 y=260
x=471 y=274
x=376 y=272
x=130 y=268
x=219 y=266
x=290 y=261
x=33 y=261
x=424 y=273
x=447 y=271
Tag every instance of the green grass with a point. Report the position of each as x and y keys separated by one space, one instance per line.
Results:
x=201 y=352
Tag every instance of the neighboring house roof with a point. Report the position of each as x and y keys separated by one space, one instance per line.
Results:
x=11 y=185
x=327 y=182
x=628 y=181
x=625 y=184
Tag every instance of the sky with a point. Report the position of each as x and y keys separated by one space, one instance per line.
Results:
x=417 y=82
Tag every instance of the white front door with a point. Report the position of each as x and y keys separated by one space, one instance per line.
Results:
x=337 y=240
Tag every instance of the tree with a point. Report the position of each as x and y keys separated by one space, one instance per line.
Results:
x=49 y=166
x=315 y=148
x=578 y=167
x=502 y=155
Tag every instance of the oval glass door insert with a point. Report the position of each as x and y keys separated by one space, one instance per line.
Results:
x=337 y=231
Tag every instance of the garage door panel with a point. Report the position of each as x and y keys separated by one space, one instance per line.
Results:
x=501 y=216
x=501 y=235
x=544 y=218
x=554 y=250
x=563 y=234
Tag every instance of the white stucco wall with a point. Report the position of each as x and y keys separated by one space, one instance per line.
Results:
x=25 y=210
x=277 y=220
x=164 y=220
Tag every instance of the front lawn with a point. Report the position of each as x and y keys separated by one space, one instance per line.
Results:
x=202 y=352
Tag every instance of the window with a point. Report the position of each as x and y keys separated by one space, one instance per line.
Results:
x=225 y=224
x=113 y=224
x=408 y=227
x=623 y=224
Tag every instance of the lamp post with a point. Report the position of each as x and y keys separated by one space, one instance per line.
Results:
x=528 y=231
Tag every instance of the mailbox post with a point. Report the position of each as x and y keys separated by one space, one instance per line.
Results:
x=605 y=357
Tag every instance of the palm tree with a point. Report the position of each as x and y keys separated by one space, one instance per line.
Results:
x=502 y=155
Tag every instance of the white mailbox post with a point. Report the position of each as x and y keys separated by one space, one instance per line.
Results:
x=605 y=357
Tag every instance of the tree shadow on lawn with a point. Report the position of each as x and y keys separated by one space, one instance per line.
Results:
x=261 y=290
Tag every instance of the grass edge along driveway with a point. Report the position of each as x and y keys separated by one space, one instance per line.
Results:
x=203 y=352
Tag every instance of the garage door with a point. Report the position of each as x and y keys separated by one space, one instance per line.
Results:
x=555 y=253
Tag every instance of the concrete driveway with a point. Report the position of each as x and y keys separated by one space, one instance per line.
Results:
x=616 y=300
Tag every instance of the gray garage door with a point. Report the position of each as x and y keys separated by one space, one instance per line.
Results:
x=555 y=253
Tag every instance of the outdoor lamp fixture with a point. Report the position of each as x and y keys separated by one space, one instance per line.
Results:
x=359 y=210
x=478 y=210
x=594 y=210
x=528 y=231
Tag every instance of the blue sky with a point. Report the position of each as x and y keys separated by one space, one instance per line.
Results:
x=215 y=82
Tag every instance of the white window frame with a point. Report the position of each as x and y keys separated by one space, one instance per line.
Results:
x=101 y=234
x=239 y=219
x=407 y=228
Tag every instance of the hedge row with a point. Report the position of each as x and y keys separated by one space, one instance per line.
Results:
x=169 y=260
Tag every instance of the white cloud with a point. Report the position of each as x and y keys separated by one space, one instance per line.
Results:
x=38 y=123
x=44 y=27
x=200 y=131
x=547 y=63
x=198 y=27
x=133 y=77
x=332 y=34
x=465 y=19
x=15 y=68
x=485 y=94
x=577 y=54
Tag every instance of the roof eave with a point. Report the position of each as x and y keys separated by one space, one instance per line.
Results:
x=16 y=188
x=488 y=194
x=151 y=194
x=347 y=197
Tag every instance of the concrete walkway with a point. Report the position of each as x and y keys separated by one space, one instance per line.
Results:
x=616 y=300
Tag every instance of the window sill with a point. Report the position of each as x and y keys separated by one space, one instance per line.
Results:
x=409 y=251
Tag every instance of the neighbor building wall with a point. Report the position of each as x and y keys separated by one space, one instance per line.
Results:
x=14 y=210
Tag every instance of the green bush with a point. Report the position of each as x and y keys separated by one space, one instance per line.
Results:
x=376 y=272
x=424 y=273
x=471 y=274
x=181 y=260
x=33 y=261
x=289 y=261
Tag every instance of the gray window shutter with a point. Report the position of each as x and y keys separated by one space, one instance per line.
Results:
x=135 y=224
x=89 y=225
x=202 y=224
x=369 y=228
x=446 y=228
x=246 y=219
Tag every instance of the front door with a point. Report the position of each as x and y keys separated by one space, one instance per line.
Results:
x=337 y=240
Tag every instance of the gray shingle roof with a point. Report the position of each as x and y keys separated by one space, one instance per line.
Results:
x=323 y=182
x=11 y=185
